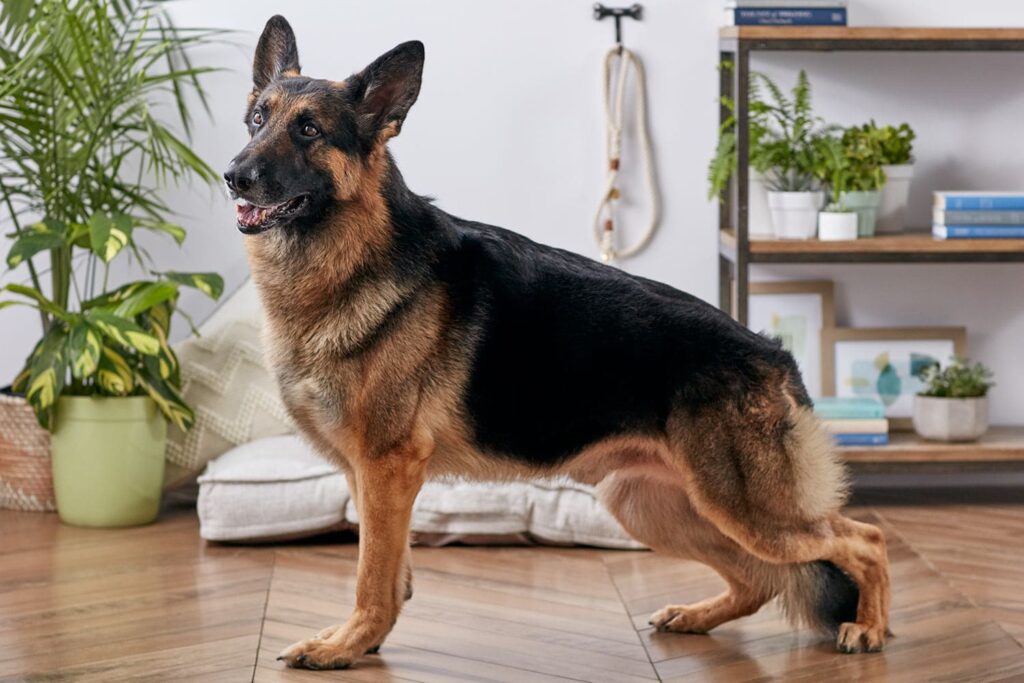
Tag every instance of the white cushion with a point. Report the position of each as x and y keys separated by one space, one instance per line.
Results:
x=278 y=487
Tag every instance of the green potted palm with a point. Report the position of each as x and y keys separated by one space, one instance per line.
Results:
x=82 y=159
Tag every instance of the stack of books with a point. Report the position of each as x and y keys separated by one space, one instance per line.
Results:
x=978 y=215
x=854 y=421
x=785 y=13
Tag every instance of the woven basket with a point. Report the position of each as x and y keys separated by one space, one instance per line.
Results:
x=26 y=482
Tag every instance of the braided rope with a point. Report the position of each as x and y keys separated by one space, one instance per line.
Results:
x=604 y=223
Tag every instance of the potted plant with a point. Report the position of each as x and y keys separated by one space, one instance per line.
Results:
x=836 y=221
x=897 y=144
x=82 y=156
x=787 y=153
x=864 y=177
x=954 y=403
x=722 y=166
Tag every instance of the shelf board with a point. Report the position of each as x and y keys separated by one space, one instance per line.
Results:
x=907 y=247
x=826 y=38
x=1000 y=444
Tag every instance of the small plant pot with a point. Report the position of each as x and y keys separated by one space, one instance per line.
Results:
x=837 y=225
x=759 y=216
x=892 y=212
x=950 y=419
x=108 y=460
x=866 y=205
x=795 y=214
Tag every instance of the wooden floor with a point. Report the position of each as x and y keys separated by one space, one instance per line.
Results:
x=156 y=603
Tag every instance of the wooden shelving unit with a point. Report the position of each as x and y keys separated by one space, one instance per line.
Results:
x=999 y=445
x=737 y=251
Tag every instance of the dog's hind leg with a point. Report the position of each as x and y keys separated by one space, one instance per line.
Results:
x=656 y=512
x=765 y=475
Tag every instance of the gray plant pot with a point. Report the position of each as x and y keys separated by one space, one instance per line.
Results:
x=950 y=419
x=866 y=205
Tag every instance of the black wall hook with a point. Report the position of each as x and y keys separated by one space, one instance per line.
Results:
x=634 y=11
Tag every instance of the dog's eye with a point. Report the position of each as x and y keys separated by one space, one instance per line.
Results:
x=310 y=131
x=257 y=119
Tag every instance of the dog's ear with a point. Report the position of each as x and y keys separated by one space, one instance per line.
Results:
x=386 y=90
x=276 y=53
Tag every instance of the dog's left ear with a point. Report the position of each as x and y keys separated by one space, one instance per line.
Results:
x=276 y=53
x=386 y=90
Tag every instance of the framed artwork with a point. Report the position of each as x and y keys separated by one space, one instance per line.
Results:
x=885 y=363
x=796 y=312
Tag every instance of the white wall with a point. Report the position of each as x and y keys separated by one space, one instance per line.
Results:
x=508 y=130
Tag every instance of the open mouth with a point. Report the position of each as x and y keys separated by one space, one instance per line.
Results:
x=253 y=219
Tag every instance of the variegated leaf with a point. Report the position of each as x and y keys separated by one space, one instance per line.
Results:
x=108 y=235
x=167 y=399
x=123 y=331
x=84 y=346
x=114 y=375
x=210 y=284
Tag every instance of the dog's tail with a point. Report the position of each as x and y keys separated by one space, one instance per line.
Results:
x=819 y=595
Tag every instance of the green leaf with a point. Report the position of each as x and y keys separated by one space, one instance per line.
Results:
x=84 y=345
x=210 y=284
x=166 y=396
x=48 y=374
x=145 y=298
x=31 y=243
x=40 y=301
x=114 y=375
x=124 y=332
x=175 y=231
x=109 y=235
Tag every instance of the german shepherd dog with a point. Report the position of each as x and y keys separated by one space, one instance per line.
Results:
x=411 y=344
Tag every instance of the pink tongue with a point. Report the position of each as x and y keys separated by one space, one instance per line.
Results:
x=250 y=214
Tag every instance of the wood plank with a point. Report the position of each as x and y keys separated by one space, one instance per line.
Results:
x=909 y=245
x=880 y=33
x=999 y=444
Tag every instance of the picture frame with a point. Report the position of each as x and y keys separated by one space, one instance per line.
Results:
x=882 y=362
x=796 y=311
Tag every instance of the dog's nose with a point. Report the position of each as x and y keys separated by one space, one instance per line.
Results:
x=240 y=177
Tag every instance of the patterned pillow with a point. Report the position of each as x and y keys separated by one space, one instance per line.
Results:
x=226 y=382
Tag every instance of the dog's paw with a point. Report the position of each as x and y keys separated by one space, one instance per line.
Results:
x=854 y=637
x=318 y=653
x=678 y=619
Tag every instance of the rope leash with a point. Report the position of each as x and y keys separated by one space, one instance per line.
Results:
x=604 y=218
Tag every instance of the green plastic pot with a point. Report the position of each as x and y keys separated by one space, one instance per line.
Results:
x=866 y=205
x=108 y=460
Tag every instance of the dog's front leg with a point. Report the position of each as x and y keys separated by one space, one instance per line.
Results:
x=387 y=486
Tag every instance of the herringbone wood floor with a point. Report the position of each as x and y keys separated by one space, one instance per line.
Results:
x=156 y=603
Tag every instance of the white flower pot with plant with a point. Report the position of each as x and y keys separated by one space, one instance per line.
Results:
x=898 y=164
x=836 y=221
x=954 y=404
x=781 y=133
x=103 y=376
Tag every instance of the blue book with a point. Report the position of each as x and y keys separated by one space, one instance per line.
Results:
x=980 y=201
x=834 y=408
x=943 y=217
x=861 y=439
x=957 y=232
x=787 y=16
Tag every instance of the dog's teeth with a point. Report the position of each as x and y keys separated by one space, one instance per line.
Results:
x=241 y=202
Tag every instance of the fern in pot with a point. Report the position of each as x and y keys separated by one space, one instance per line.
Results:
x=82 y=157
x=953 y=406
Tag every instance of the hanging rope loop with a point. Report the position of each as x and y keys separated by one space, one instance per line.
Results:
x=614 y=102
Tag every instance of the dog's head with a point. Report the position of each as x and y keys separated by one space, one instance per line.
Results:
x=311 y=140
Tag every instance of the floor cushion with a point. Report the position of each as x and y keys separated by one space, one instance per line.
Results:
x=278 y=488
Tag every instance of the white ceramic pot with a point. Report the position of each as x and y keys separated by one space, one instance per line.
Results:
x=759 y=217
x=795 y=214
x=950 y=419
x=837 y=225
x=892 y=213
